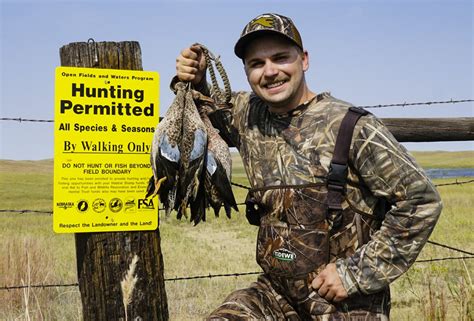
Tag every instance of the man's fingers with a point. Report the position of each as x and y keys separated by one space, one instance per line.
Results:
x=317 y=282
x=192 y=52
x=186 y=69
x=323 y=291
x=191 y=65
x=339 y=297
x=186 y=62
x=330 y=295
x=328 y=284
x=196 y=49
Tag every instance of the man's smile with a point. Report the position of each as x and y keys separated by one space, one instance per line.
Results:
x=274 y=84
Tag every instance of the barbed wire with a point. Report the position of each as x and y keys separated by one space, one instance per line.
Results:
x=208 y=276
x=449 y=247
x=26 y=211
x=18 y=119
x=177 y=278
x=427 y=103
x=211 y=276
x=240 y=185
x=23 y=211
x=162 y=209
x=455 y=183
x=445 y=259
x=17 y=287
x=404 y=104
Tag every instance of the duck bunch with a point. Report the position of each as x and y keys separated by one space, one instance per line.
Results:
x=191 y=163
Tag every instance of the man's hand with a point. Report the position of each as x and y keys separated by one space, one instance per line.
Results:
x=328 y=284
x=191 y=65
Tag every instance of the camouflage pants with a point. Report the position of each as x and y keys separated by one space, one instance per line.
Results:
x=260 y=301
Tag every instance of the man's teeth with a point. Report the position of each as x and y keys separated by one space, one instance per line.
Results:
x=276 y=84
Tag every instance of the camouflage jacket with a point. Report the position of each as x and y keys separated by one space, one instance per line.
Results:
x=296 y=148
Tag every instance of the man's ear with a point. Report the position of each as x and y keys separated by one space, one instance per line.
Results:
x=305 y=60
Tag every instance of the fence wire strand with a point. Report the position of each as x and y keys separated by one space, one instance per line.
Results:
x=449 y=247
x=26 y=211
x=455 y=183
x=19 y=119
x=23 y=211
x=427 y=103
x=208 y=276
x=404 y=104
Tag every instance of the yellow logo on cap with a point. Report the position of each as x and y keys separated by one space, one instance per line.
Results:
x=266 y=22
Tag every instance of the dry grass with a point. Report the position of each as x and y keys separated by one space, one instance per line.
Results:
x=29 y=261
x=33 y=254
x=128 y=285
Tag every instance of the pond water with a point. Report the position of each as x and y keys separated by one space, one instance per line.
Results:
x=449 y=172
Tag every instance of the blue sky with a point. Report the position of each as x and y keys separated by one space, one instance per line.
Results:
x=365 y=52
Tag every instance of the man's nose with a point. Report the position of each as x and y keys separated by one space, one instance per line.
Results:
x=270 y=69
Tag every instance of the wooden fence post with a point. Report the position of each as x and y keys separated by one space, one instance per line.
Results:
x=104 y=258
x=431 y=129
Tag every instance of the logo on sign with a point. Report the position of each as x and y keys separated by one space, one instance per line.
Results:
x=65 y=205
x=99 y=205
x=130 y=205
x=82 y=206
x=146 y=204
x=115 y=205
x=284 y=255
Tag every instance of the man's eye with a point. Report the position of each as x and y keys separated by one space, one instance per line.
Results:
x=281 y=59
x=256 y=64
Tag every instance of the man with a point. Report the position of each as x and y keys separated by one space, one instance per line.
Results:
x=320 y=262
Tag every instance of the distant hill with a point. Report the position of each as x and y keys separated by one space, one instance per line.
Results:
x=38 y=166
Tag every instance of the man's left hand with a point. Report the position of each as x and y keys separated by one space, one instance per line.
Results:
x=328 y=284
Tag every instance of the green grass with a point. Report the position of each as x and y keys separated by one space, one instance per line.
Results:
x=26 y=183
x=464 y=159
x=429 y=291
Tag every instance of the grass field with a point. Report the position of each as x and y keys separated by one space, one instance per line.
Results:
x=33 y=254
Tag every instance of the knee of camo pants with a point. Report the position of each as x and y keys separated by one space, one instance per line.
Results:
x=258 y=302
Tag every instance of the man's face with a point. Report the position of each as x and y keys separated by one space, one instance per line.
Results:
x=275 y=71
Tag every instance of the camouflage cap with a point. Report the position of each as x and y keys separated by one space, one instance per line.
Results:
x=267 y=22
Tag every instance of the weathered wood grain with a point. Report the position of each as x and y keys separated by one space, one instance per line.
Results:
x=431 y=129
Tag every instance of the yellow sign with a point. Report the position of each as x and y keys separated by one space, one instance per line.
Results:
x=103 y=127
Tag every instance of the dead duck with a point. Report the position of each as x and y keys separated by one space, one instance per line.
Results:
x=218 y=171
x=193 y=149
x=218 y=165
x=165 y=156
